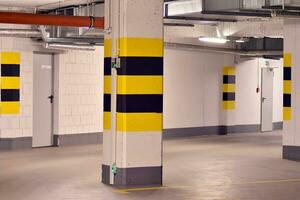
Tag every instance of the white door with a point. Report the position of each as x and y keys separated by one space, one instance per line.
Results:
x=42 y=100
x=267 y=99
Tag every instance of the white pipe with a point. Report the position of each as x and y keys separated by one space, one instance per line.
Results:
x=69 y=47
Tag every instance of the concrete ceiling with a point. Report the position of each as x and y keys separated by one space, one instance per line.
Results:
x=42 y=4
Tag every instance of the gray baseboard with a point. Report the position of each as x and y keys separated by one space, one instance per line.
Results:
x=105 y=174
x=15 y=143
x=77 y=139
x=133 y=177
x=291 y=152
x=216 y=130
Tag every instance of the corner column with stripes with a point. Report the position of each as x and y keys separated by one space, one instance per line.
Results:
x=228 y=99
x=133 y=141
x=10 y=83
x=291 y=91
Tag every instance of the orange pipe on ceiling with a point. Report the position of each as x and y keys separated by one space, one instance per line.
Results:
x=51 y=20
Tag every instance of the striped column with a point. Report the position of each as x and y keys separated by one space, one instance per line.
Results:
x=228 y=99
x=106 y=163
x=10 y=83
x=133 y=99
x=287 y=87
x=291 y=89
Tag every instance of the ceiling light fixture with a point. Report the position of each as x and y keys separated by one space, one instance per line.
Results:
x=240 y=41
x=213 y=40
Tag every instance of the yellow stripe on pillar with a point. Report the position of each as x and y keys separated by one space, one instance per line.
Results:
x=228 y=87
x=287 y=113
x=140 y=84
x=229 y=70
x=287 y=87
x=107 y=48
x=10 y=58
x=287 y=60
x=228 y=105
x=139 y=122
x=141 y=47
x=106 y=120
x=10 y=108
x=107 y=84
x=10 y=83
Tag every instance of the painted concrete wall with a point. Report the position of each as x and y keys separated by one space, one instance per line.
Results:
x=192 y=90
x=20 y=125
x=248 y=100
x=79 y=82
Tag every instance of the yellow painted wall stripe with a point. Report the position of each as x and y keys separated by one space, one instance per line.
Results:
x=140 y=84
x=139 y=122
x=10 y=58
x=10 y=108
x=229 y=70
x=228 y=87
x=287 y=87
x=10 y=83
x=287 y=60
x=107 y=48
x=141 y=47
x=106 y=120
x=287 y=113
x=107 y=84
x=228 y=105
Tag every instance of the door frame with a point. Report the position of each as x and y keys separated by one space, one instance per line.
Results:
x=52 y=91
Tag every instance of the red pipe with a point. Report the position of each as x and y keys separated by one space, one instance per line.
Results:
x=51 y=20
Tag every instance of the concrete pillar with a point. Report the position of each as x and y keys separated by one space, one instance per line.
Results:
x=228 y=97
x=291 y=96
x=133 y=99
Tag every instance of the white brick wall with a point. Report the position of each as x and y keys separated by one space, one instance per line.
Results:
x=20 y=125
x=80 y=92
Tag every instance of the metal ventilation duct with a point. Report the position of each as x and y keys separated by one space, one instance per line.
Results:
x=183 y=7
x=231 y=5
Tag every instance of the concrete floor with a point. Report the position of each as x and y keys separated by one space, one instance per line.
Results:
x=235 y=167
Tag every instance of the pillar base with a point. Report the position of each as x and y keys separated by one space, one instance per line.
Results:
x=106 y=174
x=137 y=176
x=291 y=153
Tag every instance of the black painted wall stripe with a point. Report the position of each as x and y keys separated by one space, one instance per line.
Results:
x=141 y=66
x=140 y=103
x=287 y=73
x=10 y=95
x=287 y=100
x=106 y=102
x=228 y=79
x=10 y=70
x=107 y=66
x=228 y=96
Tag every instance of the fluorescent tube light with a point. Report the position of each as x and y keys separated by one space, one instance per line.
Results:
x=213 y=40
x=239 y=41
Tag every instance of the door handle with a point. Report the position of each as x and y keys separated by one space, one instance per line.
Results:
x=263 y=99
x=51 y=97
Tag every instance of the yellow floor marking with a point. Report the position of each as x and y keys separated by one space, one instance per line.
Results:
x=129 y=190
x=268 y=182
x=126 y=191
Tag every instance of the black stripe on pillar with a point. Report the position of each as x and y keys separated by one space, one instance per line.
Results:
x=140 y=103
x=141 y=66
x=287 y=73
x=228 y=96
x=287 y=100
x=10 y=95
x=106 y=102
x=107 y=66
x=228 y=79
x=10 y=70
